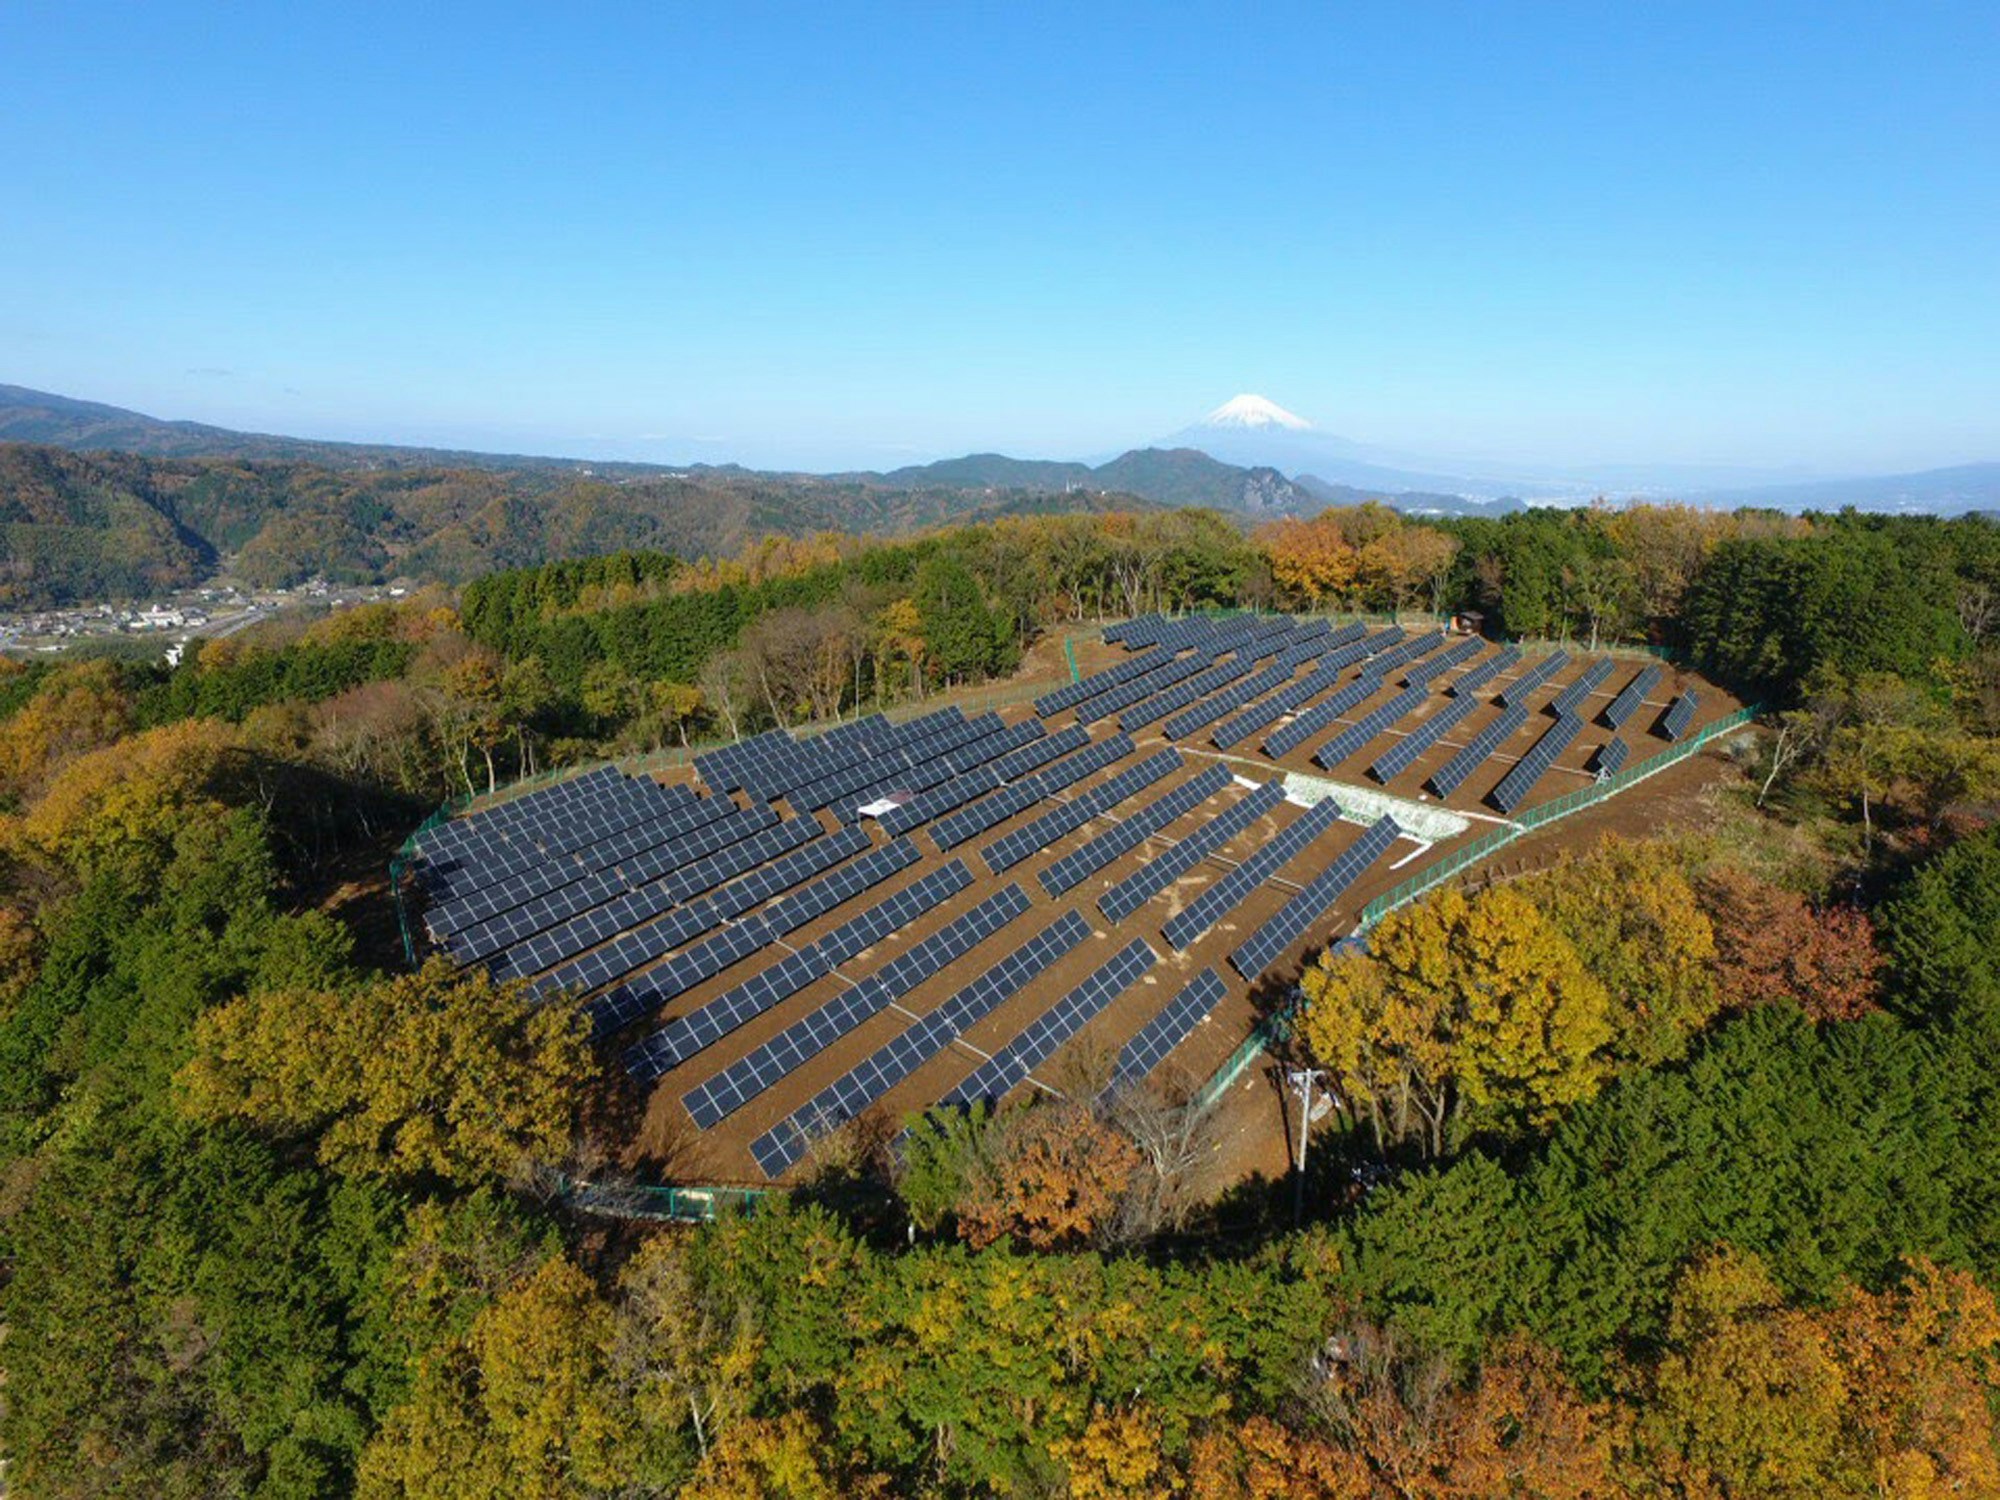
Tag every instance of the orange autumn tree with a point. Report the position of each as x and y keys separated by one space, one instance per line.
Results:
x=1774 y=947
x=1052 y=1176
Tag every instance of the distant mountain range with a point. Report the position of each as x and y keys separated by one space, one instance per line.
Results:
x=97 y=501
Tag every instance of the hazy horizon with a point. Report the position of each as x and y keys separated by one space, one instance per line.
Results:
x=812 y=238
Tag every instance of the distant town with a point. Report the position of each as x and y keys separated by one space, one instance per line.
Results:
x=170 y=620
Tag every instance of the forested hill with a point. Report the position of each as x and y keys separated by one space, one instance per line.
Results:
x=82 y=526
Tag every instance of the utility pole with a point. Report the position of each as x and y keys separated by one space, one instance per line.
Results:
x=1301 y=1081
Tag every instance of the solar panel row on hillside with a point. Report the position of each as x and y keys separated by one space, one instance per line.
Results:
x=1130 y=832
x=1631 y=696
x=1288 y=737
x=620 y=1006
x=1157 y=707
x=1010 y=849
x=1210 y=709
x=1611 y=757
x=1232 y=889
x=1037 y=1042
x=1405 y=753
x=742 y=1081
x=1356 y=737
x=1449 y=777
x=1518 y=690
x=1444 y=661
x=950 y=831
x=1517 y=783
x=1269 y=942
x=1167 y=1030
x=1322 y=678
x=563 y=902
x=1679 y=716
x=853 y=1093
x=682 y=1037
x=1136 y=889
x=1571 y=699
x=1485 y=672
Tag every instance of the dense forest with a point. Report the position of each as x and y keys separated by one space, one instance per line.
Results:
x=1667 y=1171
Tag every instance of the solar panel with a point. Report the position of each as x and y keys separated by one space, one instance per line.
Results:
x=1173 y=1025
x=1405 y=753
x=1212 y=904
x=1071 y=694
x=603 y=829
x=1127 y=693
x=1136 y=889
x=1235 y=731
x=1128 y=833
x=1449 y=777
x=624 y=912
x=1571 y=699
x=1212 y=708
x=1677 y=718
x=1010 y=849
x=1611 y=757
x=856 y=1090
x=1444 y=661
x=519 y=919
x=683 y=1036
x=1038 y=1041
x=950 y=831
x=742 y=1081
x=1269 y=942
x=1517 y=783
x=1159 y=705
x=1357 y=736
x=1519 y=689
x=1631 y=696
x=1501 y=661
x=1288 y=737
x=647 y=992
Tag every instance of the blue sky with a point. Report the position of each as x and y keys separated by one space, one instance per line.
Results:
x=826 y=235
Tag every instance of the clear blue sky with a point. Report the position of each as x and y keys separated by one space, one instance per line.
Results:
x=1695 y=232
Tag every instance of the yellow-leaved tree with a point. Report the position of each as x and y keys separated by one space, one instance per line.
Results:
x=440 y=1073
x=1459 y=1001
x=1637 y=923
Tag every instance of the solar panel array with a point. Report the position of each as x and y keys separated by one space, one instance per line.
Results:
x=647 y=992
x=1631 y=696
x=1571 y=699
x=908 y=766
x=1173 y=1025
x=1227 y=893
x=516 y=923
x=1212 y=708
x=622 y=913
x=1405 y=753
x=1518 y=782
x=1269 y=942
x=682 y=1037
x=743 y=1080
x=1136 y=889
x=1449 y=777
x=954 y=829
x=1010 y=849
x=853 y=1092
x=1037 y=1042
x=1355 y=738
x=1679 y=716
x=1611 y=757
x=772 y=764
x=1519 y=689
x=1157 y=707
x=1444 y=661
x=1288 y=737
x=1128 y=833
x=1501 y=661
x=1073 y=693
x=1103 y=705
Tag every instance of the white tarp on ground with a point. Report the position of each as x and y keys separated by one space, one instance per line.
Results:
x=1360 y=804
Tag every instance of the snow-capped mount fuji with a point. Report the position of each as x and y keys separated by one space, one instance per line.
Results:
x=1255 y=413
x=1256 y=432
